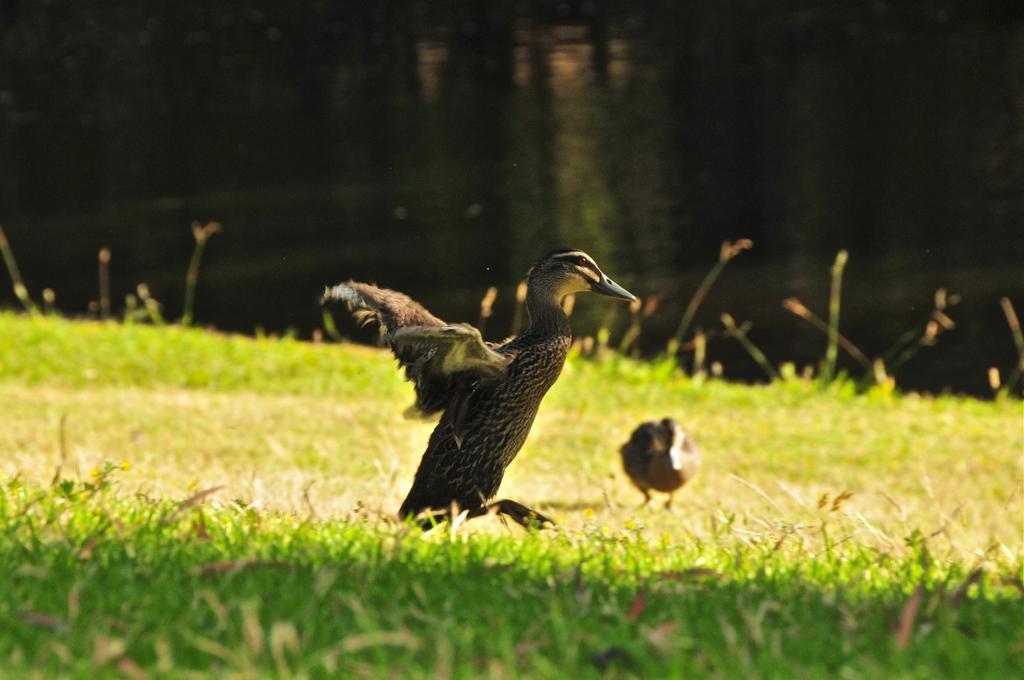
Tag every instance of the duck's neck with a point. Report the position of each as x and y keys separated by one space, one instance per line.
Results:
x=546 y=315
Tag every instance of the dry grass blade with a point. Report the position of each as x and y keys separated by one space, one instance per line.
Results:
x=397 y=638
x=758 y=491
x=231 y=566
x=130 y=669
x=838 y=501
x=908 y=616
x=44 y=621
x=660 y=637
x=635 y=609
x=191 y=501
x=974 y=577
x=1014 y=582
x=694 y=572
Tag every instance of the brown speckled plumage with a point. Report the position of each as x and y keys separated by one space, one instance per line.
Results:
x=660 y=456
x=488 y=395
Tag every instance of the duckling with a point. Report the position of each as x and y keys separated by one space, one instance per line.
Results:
x=487 y=394
x=660 y=456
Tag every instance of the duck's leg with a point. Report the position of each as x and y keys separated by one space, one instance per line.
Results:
x=647 y=497
x=668 y=503
x=518 y=512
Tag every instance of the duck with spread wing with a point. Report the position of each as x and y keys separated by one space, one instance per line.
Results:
x=487 y=394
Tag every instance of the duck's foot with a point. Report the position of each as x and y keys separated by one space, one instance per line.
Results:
x=519 y=513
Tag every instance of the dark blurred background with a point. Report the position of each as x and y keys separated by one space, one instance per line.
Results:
x=441 y=147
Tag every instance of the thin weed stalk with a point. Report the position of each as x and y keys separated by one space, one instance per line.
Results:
x=633 y=332
x=520 y=311
x=486 y=308
x=913 y=340
x=835 y=294
x=728 y=251
x=201 y=234
x=700 y=350
x=331 y=328
x=641 y=311
x=740 y=334
x=1018 y=339
x=49 y=301
x=104 y=275
x=913 y=335
x=797 y=308
x=20 y=290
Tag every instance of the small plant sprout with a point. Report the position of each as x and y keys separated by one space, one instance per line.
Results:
x=728 y=251
x=150 y=304
x=202 y=234
x=20 y=290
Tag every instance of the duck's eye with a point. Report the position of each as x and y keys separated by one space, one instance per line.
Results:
x=582 y=261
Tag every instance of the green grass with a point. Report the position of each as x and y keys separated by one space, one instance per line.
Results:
x=294 y=567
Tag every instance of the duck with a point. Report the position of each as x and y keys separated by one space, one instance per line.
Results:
x=660 y=456
x=487 y=394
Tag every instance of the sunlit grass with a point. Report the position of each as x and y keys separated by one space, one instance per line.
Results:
x=313 y=457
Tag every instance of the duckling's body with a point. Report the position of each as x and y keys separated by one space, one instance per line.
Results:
x=488 y=395
x=660 y=456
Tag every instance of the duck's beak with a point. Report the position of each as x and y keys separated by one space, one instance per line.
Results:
x=612 y=289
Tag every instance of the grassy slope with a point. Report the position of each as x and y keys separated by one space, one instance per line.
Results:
x=936 y=491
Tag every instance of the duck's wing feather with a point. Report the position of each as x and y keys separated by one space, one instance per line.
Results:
x=390 y=309
x=452 y=364
x=452 y=348
x=443 y=361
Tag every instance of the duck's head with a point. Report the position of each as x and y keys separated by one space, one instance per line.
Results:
x=679 y=443
x=566 y=271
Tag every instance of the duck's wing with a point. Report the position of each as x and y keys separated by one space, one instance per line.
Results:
x=452 y=348
x=389 y=309
x=449 y=364
x=443 y=361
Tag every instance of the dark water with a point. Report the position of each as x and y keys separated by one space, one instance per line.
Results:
x=440 y=148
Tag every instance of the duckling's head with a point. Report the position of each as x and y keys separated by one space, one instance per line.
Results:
x=566 y=271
